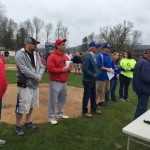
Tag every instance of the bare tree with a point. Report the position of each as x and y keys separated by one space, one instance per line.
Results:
x=64 y=33
x=37 y=25
x=58 y=31
x=120 y=36
x=27 y=25
x=2 y=11
x=136 y=38
x=61 y=31
x=48 y=30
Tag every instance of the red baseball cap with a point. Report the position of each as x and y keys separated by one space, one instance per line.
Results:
x=58 y=41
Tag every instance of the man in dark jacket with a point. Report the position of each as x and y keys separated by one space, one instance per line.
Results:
x=141 y=83
x=89 y=80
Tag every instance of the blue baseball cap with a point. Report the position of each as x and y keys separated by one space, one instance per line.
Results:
x=94 y=44
x=106 y=45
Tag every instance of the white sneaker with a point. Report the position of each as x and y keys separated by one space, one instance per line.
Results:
x=2 y=142
x=122 y=99
x=62 y=116
x=53 y=121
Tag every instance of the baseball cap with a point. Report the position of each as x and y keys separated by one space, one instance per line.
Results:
x=106 y=45
x=59 y=41
x=94 y=44
x=30 y=40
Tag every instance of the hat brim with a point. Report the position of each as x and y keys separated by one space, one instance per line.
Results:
x=35 y=42
x=109 y=47
x=97 y=45
x=64 y=40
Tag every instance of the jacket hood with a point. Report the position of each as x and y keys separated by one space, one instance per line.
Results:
x=56 y=52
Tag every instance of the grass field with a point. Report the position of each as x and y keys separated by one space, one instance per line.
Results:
x=11 y=60
x=98 y=133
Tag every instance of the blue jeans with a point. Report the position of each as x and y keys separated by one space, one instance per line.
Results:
x=142 y=104
x=89 y=93
x=0 y=106
x=124 y=86
x=113 y=86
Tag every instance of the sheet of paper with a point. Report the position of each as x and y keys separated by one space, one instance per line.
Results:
x=110 y=75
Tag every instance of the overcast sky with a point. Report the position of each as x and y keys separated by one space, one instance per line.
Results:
x=83 y=17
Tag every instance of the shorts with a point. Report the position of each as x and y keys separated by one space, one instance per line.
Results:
x=27 y=99
x=102 y=86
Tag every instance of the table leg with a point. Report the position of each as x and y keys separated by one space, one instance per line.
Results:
x=128 y=143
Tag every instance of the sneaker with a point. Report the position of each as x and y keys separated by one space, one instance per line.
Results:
x=30 y=125
x=53 y=121
x=19 y=131
x=97 y=112
x=122 y=99
x=62 y=116
x=2 y=142
x=87 y=115
x=99 y=103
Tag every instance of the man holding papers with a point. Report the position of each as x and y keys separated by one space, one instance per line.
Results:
x=103 y=83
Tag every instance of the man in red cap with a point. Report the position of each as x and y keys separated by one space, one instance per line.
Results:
x=58 y=68
x=3 y=87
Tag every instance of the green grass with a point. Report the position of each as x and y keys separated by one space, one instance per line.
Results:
x=11 y=60
x=98 y=133
x=74 y=79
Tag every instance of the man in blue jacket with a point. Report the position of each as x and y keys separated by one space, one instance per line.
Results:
x=89 y=80
x=103 y=83
x=141 y=83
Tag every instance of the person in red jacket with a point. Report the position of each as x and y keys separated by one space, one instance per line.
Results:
x=3 y=86
x=58 y=66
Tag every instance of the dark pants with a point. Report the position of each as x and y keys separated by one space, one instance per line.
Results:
x=0 y=107
x=113 y=86
x=142 y=104
x=107 y=96
x=89 y=92
x=124 y=86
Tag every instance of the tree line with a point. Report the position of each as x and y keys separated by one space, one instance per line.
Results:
x=13 y=34
x=120 y=37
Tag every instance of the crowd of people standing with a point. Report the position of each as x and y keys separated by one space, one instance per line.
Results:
x=101 y=73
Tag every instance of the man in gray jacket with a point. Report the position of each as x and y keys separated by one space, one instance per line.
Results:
x=30 y=71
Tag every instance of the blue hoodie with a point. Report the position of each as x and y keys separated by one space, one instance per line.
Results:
x=103 y=62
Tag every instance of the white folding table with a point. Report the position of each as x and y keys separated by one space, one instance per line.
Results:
x=138 y=131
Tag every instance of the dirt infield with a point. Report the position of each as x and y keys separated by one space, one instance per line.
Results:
x=72 y=107
x=10 y=67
